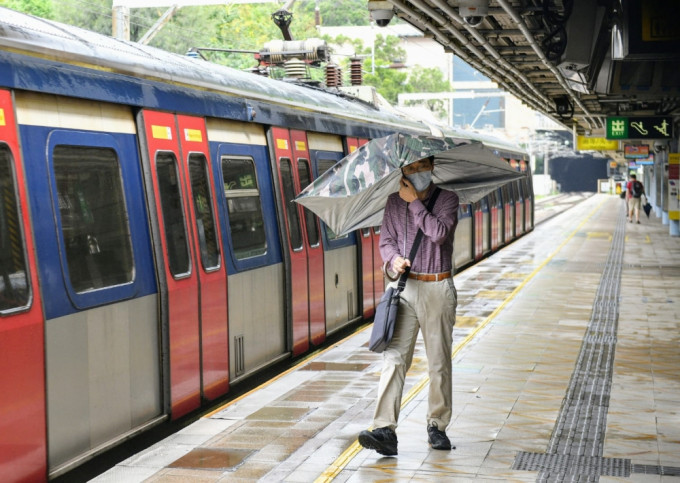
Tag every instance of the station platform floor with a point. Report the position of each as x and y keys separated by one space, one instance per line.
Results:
x=566 y=367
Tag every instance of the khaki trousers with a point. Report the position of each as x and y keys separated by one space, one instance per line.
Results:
x=430 y=307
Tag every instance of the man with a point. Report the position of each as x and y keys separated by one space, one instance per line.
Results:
x=428 y=303
x=635 y=192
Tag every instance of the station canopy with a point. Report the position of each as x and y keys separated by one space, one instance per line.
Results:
x=578 y=61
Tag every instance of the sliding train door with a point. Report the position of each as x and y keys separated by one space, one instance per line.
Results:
x=367 y=241
x=23 y=453
x=191 y=271
x=303 y=248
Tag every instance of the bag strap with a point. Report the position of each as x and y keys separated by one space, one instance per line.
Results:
x=416 y=243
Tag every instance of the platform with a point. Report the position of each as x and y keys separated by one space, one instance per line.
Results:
x=566 y=368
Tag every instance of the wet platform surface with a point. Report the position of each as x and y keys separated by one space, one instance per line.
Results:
x=566 y=368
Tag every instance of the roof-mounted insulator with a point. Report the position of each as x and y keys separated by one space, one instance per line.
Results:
x=313 y=51
x=333 y=75
x=295 y=69
x=355 y=71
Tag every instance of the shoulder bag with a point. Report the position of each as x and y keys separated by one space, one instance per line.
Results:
x=386 y=312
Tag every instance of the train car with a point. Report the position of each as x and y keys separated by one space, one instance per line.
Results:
x=151 y=253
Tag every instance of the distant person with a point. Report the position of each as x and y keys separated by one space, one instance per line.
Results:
x=428 y=305
x=634 y=194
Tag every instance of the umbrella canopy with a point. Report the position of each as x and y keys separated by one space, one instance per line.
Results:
x=647 y=207
x=352 y=194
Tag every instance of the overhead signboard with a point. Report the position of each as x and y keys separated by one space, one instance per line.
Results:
x=655 y=127
x=673 y=182
x=584 y=143
x=635 y=151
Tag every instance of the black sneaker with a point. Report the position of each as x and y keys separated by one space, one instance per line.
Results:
x=383 y=440
x=437 y=438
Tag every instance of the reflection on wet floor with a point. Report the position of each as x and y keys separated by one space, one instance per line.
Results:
x=333 y=366
x=212 y=458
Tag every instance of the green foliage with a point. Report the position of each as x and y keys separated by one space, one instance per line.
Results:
x=39 y=8
x=337 y=13
x=94 y=15
x=429 y=79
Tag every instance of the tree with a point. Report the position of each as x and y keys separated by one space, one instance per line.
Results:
x=39 y=8
x=95 y=15
x=337 y=13
x=429 y=79
x=385 y=68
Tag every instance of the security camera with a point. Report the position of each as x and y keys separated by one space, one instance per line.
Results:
x=660 y=146
x=473 y=11
x=381 y=12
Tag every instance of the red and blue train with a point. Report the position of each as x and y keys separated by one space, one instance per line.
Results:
x=150 y=254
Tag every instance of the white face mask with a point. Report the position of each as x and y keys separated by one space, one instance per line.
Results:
x=420 y=180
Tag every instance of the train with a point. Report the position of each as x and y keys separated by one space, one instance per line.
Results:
x=151 y=256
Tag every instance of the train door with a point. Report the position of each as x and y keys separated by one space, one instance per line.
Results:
x=495 y=222
x=367 y=256
x=508 y=212
x=212 y=276
x=193 y=290
x=528 y=196
x=22 y=365
x=304 y=250
x=478 y=230
x=519 y=208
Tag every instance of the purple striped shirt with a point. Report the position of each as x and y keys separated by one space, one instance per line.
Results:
x=435 y=253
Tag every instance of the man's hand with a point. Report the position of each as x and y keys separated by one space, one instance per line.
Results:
x=406 y=191
x=399 y=264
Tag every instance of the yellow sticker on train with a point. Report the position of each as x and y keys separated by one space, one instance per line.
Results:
x=194 y=135
x=161 y=132
x=352 y=149
x=300 y=145
x=282 y=144
x=2 y=117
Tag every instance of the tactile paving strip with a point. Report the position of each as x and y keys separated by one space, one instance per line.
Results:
x=575 y=449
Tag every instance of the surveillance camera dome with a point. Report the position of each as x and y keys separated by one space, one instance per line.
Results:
x=473 y=11
x=660 y=146
x=473 y=20
x=382 y=17
x=381 y=12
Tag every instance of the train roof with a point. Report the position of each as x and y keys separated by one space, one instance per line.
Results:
x=72 y=61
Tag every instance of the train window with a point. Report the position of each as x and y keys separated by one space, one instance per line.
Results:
x=203 y=206
x=291 y=207
x=173 y=214
x=246 y=221
x=310 y=218
x=14 y=286
x=94 y=219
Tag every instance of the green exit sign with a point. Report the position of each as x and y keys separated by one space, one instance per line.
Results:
x=657 y=127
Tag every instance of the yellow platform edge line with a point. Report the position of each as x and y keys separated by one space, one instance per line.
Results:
x=343 y=460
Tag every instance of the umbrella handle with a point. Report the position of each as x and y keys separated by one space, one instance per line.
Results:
x=387 y=275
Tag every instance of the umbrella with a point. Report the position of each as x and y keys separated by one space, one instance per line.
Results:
x=647 y=207
x=352 y=194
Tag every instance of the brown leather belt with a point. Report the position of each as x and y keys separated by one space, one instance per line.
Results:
x=430 y=277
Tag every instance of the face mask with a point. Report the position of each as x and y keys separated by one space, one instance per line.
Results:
x=420 y=180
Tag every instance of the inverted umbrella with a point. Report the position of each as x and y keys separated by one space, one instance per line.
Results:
x=352 y=194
